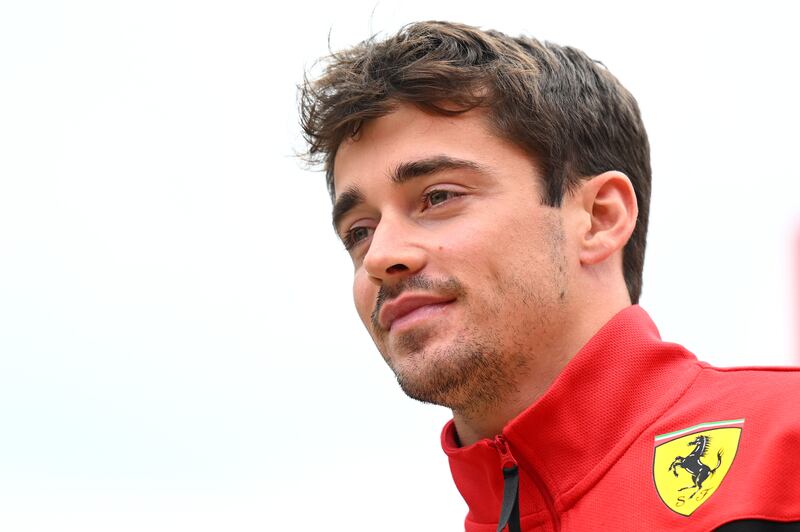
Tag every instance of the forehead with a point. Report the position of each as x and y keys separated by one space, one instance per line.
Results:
x=409 y=134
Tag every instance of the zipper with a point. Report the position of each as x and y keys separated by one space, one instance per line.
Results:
x=509 y=509
x=506 y=458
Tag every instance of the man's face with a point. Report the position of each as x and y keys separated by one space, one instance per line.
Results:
x=461 y=274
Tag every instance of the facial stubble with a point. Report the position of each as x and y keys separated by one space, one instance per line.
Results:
x=475 y=370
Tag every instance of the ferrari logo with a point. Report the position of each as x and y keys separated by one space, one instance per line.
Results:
x=690 y=464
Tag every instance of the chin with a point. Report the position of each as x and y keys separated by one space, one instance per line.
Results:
x=461 y=376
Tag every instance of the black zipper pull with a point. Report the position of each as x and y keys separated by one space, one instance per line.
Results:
x=509 y=510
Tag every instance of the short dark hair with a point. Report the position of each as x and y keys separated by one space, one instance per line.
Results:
x=564 y=109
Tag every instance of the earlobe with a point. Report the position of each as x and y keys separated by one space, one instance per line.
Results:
x=610 y=203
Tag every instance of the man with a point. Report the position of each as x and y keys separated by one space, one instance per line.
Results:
x=493 y=194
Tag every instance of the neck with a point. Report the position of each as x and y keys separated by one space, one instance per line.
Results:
x=545 y=366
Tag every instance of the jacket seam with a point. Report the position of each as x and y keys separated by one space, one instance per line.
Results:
x=777 y=369
x=741 y=517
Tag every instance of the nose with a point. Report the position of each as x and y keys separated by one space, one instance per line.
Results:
x=393 y=253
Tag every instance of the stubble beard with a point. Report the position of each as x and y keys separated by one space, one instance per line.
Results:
x=465 y=376
x=477 y=370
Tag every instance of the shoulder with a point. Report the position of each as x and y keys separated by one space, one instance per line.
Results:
x=752 y=427
x=764 y=396
x=758 y=389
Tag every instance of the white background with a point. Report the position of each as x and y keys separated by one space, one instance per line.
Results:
x=178 y=347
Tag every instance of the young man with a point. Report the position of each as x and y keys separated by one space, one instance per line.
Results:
x=493 y=194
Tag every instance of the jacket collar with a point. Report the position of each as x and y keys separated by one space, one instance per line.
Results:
x=616 y=386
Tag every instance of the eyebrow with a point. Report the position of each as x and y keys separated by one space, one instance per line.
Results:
x=352 y=197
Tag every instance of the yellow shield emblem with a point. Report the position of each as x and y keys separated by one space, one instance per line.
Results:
x=690 y=464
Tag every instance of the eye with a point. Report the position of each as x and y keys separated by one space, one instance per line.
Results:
x=355 y=235
x=437 y=196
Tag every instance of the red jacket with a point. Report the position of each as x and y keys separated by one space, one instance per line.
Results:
x=637 y=434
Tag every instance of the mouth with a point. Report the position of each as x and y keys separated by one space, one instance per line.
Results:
x=410 y=308
x=419 y=315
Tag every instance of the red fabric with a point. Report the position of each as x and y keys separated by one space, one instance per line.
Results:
x=586 y=446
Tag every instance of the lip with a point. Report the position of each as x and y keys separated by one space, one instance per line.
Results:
x=407 y=304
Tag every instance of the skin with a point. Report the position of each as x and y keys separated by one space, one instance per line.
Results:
x=530 y=284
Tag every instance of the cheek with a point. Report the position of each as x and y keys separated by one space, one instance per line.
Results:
x=473 y=257
x=364 y=296
x=483 y=241
x=502 y=254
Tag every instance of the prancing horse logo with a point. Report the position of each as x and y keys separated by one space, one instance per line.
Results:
x=699 y=471
x=685 y=482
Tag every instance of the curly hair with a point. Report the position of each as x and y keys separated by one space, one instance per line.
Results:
x=567 y=111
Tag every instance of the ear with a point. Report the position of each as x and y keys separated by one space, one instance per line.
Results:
x=609 y=203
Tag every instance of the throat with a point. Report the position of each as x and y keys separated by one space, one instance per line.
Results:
x=475 y=426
